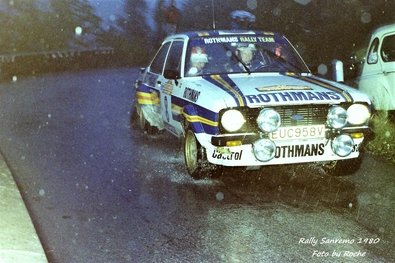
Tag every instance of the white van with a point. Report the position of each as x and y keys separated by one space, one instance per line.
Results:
x=377 y=77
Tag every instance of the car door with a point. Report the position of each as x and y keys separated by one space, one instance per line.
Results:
x=151 y=86
x=167 y=87
x=387 y=53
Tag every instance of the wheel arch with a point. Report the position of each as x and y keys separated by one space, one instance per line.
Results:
x=191 y=119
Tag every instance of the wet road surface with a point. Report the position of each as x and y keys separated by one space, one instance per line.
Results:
x=99 y=190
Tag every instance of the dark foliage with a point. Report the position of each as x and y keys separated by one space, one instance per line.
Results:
x=28 y=26
x=321 y=30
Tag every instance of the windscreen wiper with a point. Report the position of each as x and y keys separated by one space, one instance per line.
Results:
x=237 y=58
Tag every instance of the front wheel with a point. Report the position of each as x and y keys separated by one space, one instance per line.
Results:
x=195 y=158
x=344 y=167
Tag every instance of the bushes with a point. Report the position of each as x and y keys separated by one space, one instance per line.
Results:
x=383 y=144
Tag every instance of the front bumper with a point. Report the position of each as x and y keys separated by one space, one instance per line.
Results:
x=286 y=151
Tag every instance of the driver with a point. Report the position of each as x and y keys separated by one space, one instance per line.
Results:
x=246 y=55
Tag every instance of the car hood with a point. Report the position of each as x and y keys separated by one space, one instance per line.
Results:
x=257 y=90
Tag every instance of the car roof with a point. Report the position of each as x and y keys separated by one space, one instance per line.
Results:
x=383 y=30
x=217 y=33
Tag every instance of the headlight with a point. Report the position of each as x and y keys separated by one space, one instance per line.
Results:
x=337 y=117
x=264 y=149
x=342 y=145
x=358 y=114
x=232 y=120
x=268 y=120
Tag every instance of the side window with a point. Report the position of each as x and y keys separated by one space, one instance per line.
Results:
x=175 y=54
x=159 y=60
x=373 y=52
x=388 y=49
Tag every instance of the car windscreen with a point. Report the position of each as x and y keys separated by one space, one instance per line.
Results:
x=242 y=53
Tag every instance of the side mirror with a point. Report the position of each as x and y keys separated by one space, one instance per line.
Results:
x=171 y=74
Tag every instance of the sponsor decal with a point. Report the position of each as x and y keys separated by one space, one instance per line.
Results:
x=329 y=86
x=232 y=156
x=293 y=96
x=282 y=87
x=266 y=39
x=302 y=150
x=168 y=88
x=237 y=39
x=213 y=40
x=249 y=39
x=191 y=94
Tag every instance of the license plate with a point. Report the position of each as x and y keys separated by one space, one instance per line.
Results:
x=299 y=132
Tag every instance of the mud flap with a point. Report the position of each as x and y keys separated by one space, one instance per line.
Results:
x=152 y=116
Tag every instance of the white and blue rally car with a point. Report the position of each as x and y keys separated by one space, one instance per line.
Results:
x=247 y=99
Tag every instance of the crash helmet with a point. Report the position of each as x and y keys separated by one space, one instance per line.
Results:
x=246 y=47
x=198 y=54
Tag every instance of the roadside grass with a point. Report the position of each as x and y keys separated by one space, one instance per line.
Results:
x=383 y=144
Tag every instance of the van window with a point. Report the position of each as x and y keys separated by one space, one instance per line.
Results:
x=372 y=55
x=388 y=49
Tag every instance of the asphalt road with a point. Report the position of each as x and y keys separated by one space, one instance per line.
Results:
x=99 y=190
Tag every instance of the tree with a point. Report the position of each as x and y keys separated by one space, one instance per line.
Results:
x=204 y=12
x=133 y=37
x=69 y=15
x=28 y=26
x=23 y=27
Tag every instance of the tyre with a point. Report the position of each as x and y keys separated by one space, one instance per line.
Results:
x=195 y=158
x=344 y=167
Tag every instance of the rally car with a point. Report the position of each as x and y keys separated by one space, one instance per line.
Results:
x=247 y=99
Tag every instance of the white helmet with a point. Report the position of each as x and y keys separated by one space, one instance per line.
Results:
x=198 y=54
x=246 y=47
